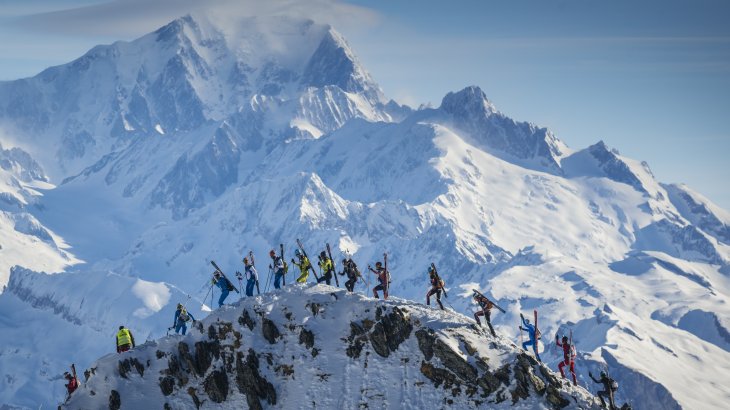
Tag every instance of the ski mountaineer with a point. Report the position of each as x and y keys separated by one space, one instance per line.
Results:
x=326 y=265
x=530 y=329
x=436 y=285
x=125 y=340
x=251 y=276
x=303 y=266
x=224 y=284
x=278 y=266
x=181 y=318
x=568 y=357
x=383 y=278
x=609 y=389
x=349 y=268
x=486 y=311
x=72 y=385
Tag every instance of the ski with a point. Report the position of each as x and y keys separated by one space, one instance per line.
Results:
x=301 y=248
x=387 y=275
x=215 y=265
x=537 y=330
x=253 y=263
x=283 y=262
x=334 y=271
x=73 y=371
x=433 y=266
x=490 y=300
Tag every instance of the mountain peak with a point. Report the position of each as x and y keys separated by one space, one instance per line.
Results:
x=470 y=100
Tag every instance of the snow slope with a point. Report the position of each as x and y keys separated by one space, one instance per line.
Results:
x=198 y=142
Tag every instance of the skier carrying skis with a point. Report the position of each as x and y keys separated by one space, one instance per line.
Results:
x=224 y=284
x=486 y=311
x=72 y=385
x=181 y=318
x=609 y=389
x=326 y=265
x=349 y=268
x=303 y=266
x=568 y=357
x=278 y=266
x=383 y=278
x=251 y=276
x=436 y=286
x=530 y=329
x=125 y=340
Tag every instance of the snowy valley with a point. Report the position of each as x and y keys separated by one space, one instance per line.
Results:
x=124 y=172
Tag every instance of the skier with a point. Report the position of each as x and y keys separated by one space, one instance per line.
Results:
x=383 y=278
x=349 y=268
x=278 y=266
x=125 y=340
x=181 y=318
x=436 y=285
x=326 y=265
x=72 y=385
x=530 y=329
x=303 y=266
x=224 y=284
x=609 y=389
x=486 y=311
x=251 y=276
x=568 y=357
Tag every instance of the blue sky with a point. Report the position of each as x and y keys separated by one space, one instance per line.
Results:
x=649 y=78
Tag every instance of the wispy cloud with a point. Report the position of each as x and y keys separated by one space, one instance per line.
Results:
x=128 y=18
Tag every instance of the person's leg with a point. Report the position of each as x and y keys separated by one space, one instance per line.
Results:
x=534 y=349
x=560 y=367
x=428 y=296
x=184 y=328
x=376 y=289
x=572 y=371
x=438 y=299
x=488 y=317
x=178 y=327
x=277 y=280
x=224 y=295
x=525 y=344
x=476 y=316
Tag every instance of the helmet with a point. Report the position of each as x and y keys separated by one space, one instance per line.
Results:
x=603 y=374
x=272 y=253
x=67 y=375
x=565 y=339
x=296 y=252
x=121 y=327
x=378 y=264
x=179 y=305
x=344 y=261
x=245 y=261
x=430 y=268
x=323 y=254
x=527 y=321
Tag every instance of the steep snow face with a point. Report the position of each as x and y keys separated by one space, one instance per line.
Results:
x=23 y=239
x=176 y=79
x=316 y=346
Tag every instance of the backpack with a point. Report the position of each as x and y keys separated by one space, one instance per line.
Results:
x=183 y=315
x=229 y=285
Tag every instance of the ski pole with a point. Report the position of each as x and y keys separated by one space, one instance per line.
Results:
x=210 y=289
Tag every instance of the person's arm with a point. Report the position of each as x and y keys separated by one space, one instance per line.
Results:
x=191 y=316
x=557 y=341
x=592 y=378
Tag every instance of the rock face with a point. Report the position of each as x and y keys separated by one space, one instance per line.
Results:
x=307 y=353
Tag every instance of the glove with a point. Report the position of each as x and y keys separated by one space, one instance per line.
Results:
x=292 y=260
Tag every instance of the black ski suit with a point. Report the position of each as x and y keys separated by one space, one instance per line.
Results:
x=607 y=391
x=486 y=311
x=435 y=289
x=349 y=268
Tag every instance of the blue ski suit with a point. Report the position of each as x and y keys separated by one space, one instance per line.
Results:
x=278 y=271
x=222 y=283
x=181 y=324
x=533 y=340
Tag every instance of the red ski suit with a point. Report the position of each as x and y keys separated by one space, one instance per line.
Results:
x=567 y=359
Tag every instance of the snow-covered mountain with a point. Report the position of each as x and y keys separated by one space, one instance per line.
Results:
x=319 y=347
x=200 y=142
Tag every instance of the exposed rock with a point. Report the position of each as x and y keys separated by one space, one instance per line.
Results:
x=554 y=397
x=216 y=386
x=438 y=376
x=392 y=330
x=247 y=320
x=193 y=394
x=454 y=362
x=167 y=384
x=204 y=353
x=125 y=366
x=115 y=402
x=314 y=307
x=271 y=333
x=306 y=337
x=251 y=383
x=186 y=359
x=426 y=338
